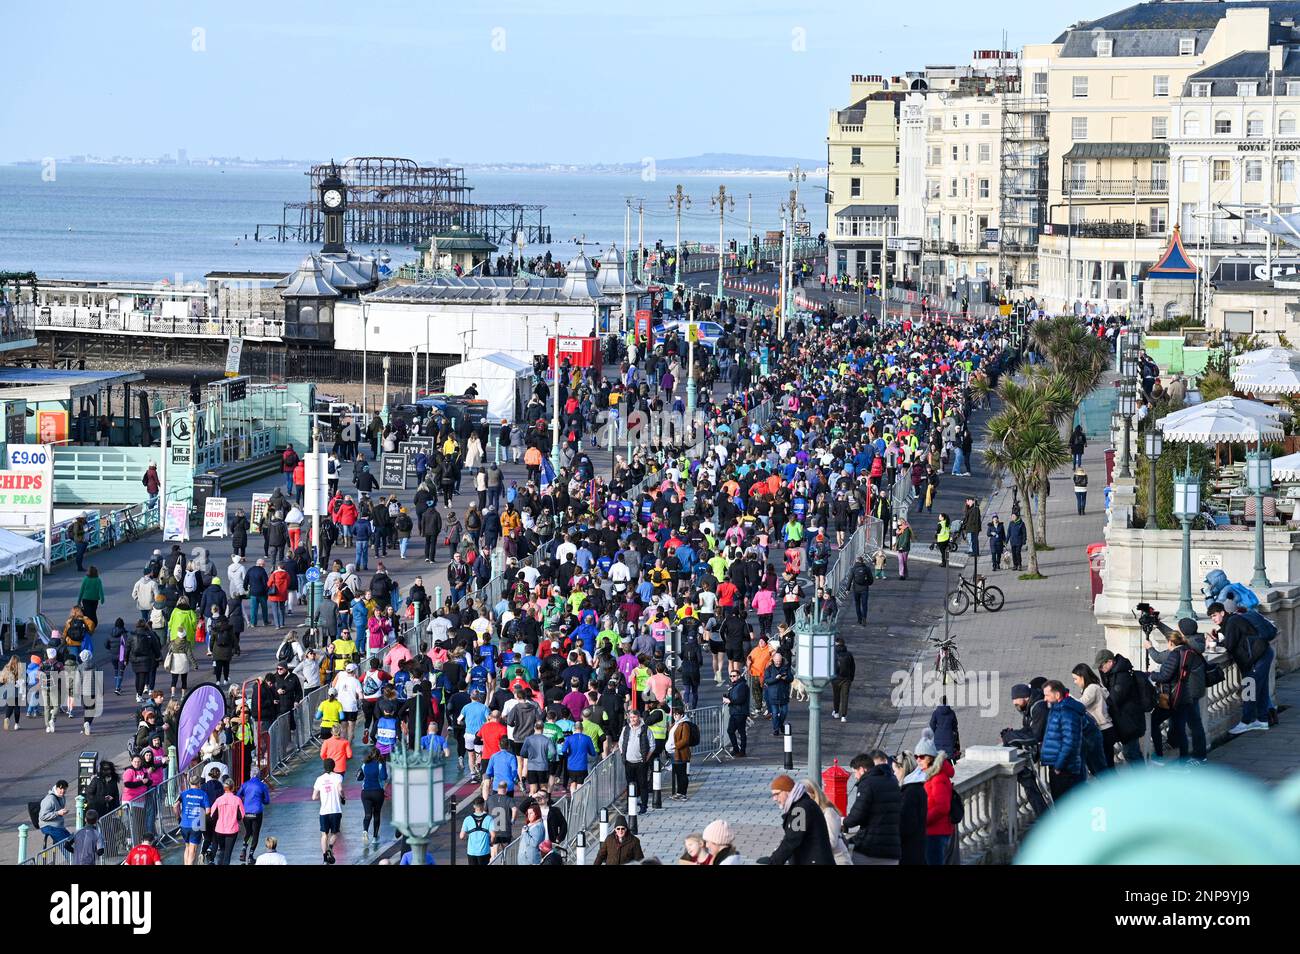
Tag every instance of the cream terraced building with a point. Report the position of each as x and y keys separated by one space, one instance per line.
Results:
x=1118 y=90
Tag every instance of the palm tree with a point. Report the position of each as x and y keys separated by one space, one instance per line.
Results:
x=1026 y=442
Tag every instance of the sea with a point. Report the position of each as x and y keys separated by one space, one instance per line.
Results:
x=154 y=222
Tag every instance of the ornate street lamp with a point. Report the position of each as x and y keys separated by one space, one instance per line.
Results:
x=1127 y=408
x=1259 y=481
x=814 y=665
x=1155 y=441
x=418 y=799
x=1187 y=505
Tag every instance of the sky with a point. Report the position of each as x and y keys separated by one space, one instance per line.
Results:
x=473 y=81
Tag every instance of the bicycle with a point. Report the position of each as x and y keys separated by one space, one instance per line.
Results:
x=980 y=590
x=946 y=661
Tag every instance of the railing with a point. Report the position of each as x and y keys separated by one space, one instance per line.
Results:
x=867 y=538
x=138 y=322
x=123 y=827
x=1114 y=187
x=16 y=323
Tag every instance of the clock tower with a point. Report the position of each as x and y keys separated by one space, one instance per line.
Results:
x=334 y=202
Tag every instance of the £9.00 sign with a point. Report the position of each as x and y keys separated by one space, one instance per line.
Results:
x=28 y=456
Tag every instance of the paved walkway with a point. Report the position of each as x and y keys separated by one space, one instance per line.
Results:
x=1268 y=756
x=737 y=792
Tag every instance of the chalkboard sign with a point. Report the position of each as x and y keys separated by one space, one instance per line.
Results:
x=392 y=472
x=412 y=447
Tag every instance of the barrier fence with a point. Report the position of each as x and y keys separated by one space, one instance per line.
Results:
x=155 y=811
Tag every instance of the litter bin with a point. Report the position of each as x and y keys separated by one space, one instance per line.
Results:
x=205 y=486
x=1096 y=563
x=1110 y=466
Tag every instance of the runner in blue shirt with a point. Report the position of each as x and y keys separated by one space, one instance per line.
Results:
x=192 y=808
x=478 y=678
x=474 y=715
x=502 y=767
x=476 y=832
x=255 y=796
x=578 y=750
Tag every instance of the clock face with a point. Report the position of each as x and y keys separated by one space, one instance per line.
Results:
x=333 y=198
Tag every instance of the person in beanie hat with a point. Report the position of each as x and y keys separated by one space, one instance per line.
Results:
x=938 y=796
x=806 y=840
x=719 y=840
x=1029 y=701
x=1126 y=700
x=621 y=847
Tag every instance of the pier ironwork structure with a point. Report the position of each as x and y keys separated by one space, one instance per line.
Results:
x=395 y=201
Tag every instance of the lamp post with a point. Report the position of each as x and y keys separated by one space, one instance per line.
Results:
x=678 y=199
x=1126 y=408
x=365 y=351
x=1155 y=441
x=555 y=400
x=1259 y=481
x=814 y=665
x=384 y=414
x=418 y=798
x=1187 y=504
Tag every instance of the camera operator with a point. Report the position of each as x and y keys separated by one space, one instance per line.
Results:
x=1028 y=738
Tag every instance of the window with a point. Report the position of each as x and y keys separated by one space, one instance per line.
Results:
x=855 y=156
x=1159 y=174
x=965 y=188
x=967 y=119
x=1160 y=86
x=1191 y=124
x=952 y=188
x=1222 y=170
x=1191 y=170
x=1201 y=90
x=1186 y=45
x=984 y=119
x=1105 y=47
x=1080 y=87
x=1247 y=89
x=1159 y=127
x=1286 y=124
x=1254 y=126
x=984 y=188
x=932 y=188
x=986 y=152
x=1078 y=173
x=1038 y=125
x=1223 y=125
x=1292 y=89
x=1188 y=220
x=1286 y=170
x=1159 y=220
x=1040 y=84
x=935 y=156
x=1254 y=170
x=954 y=120
x=1079 y=127
x=966 y=154
x=855 y=188
x=954 y=153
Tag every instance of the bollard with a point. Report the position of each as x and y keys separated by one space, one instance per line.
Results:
x=582 y=848
x=631 y=807
x=437 y=597
x=789 y=748
x=23 y=829
x=604 y=824
x=658 y=785
x=81 y=812
x=173 y=771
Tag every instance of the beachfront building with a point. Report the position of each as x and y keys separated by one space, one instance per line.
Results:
x=1112 y=84
x=862 y=182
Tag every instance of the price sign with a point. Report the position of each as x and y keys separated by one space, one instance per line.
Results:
x=393 y=472
x=29 y=456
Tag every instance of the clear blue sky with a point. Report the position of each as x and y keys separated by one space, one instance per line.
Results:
x=574 y=82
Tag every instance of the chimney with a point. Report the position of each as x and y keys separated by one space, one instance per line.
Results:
x=1276 y=58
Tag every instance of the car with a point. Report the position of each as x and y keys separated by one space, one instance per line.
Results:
x=710 y=331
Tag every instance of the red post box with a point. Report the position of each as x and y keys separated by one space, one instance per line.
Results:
x=1096 y=563
x=835 y=783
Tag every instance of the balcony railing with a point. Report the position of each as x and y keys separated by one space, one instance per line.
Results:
x=1114 y=188
x=101 y=320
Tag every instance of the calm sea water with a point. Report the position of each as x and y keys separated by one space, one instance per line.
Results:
x=148 y=223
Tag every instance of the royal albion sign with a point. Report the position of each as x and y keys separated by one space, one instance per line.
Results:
x=1264 y=147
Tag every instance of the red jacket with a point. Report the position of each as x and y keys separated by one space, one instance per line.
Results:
x=278 y=588
x=300 y=474
x=347 y=515
x=938 y=795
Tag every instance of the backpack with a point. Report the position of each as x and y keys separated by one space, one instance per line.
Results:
x=1265 y=628
x=285 y=653
x=225 y=639
x=956 y=808
x=1146 y=692
x=191 y=581
x=692 y=734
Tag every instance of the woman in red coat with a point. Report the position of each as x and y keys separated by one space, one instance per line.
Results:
x=938 y=794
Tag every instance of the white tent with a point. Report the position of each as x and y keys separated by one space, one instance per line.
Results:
x=1286 y=468
x=17 y=553
x=502 y=380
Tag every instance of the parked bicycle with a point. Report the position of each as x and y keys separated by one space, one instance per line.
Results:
x=946 y=661
x=979 y=591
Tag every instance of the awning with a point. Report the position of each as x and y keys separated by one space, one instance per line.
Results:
x=18 y=553
x=1118 y=150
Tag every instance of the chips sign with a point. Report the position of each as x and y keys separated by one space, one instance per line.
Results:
x=393 y=472
x=214 y=517
x=24 y=491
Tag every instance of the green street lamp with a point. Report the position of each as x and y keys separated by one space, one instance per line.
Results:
x=1259 y=481
x=418 y=800
x=1127 y=408
x=814 y=665
x=1155 y=442
x=1187 y=505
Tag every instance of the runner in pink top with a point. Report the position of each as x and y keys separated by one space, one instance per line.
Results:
x=229 y=811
